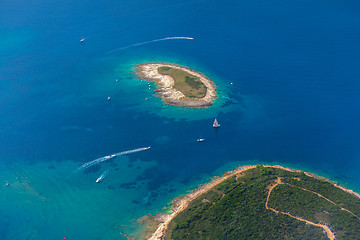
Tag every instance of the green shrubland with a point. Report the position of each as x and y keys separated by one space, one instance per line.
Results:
x=186 y=83
x=235 y=209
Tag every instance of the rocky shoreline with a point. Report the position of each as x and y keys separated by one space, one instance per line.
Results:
x=179 y=204
x=170 y=95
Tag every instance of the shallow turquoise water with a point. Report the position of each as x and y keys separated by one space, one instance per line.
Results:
x=293 y=101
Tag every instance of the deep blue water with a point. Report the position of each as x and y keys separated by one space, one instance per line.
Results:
x=294 y=101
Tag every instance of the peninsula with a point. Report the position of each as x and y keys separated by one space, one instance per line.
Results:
x=178 y=85
x=263 y=202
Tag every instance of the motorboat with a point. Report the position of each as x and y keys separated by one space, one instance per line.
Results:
x=110 y=156
x=102 y=176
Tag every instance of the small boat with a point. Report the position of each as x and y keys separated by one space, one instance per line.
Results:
x=108 y=98
x=200 y=140
x=82 y=39
x=102 y=176
x=110 y=156
x=216 y=124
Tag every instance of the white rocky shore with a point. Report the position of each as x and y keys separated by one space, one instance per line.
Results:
x=172 y=96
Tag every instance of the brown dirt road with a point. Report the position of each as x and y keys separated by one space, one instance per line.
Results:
x=278 y=181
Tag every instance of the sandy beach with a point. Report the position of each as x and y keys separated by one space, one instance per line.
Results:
x=170 y=95
x=179 y=204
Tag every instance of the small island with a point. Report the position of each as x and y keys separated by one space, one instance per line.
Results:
x=262 y=202
x=178 y=85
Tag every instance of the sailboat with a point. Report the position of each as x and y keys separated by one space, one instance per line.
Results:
x=216 y=124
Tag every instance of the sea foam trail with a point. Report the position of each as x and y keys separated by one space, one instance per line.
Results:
x=103 y=159
x=102 y=176
x=156 y=40
x=93 y=162
x=132 y=151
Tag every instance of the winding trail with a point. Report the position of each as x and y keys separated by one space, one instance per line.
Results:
x=344 y=209
x=271 y=187
x=182 y=203
x=329 y=234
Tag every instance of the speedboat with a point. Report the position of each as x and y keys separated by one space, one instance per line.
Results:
x=147 y=147
x=99 y=179
x=102 y=176
x=110 y=156
x=200 y=140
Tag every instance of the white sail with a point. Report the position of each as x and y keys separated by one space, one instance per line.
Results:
x=216 y=124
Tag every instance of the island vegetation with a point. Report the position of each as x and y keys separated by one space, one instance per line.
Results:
x=188 y=84
x=178 y=85
x=265 y=202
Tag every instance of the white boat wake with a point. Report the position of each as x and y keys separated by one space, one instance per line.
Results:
x=102 y=176
x=103 y=159
x=152 y=41
x=132 y=151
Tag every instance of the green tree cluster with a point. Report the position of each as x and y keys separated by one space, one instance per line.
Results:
x=235 y=209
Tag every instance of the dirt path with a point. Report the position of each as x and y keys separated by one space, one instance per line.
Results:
x=182 y=203
x=271 y=187
x=344 y=209
x=278 y=181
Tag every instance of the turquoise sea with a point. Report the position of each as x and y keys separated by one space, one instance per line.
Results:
x=294 y=101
